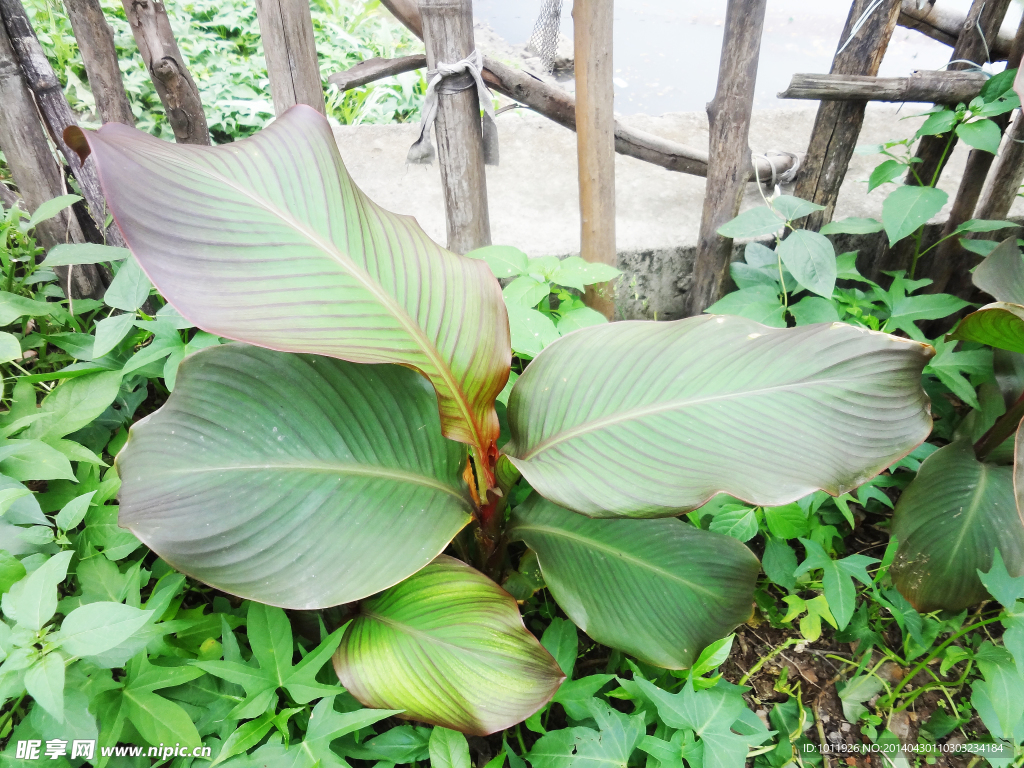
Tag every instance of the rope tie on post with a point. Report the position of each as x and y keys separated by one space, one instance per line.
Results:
x=452 y=78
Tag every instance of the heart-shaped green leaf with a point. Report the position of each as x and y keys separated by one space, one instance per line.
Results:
x=1001 y=274
x=948 y=523
x=637 y=419
x=999 y=325
x=907 y=208
x=812 y=260
x=294 y=480
x=268 y=240
x=448 y=647
x=660 y=590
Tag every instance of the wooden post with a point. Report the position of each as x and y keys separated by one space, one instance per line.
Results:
x=448 y=36
x=986 y=16
x=936 y=21
x=287 y=30
x=595 y=141
x=96 y=44
x=49 y=97
x=837 y=124
x=8 y=198
x=34 y=168
x=729 y=164
x=949 y=264
x=174 y=85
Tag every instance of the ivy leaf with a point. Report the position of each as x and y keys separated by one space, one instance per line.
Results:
x=710 y=714
x=574 y=695
x=837 y=579
x=1000 y=584
x=270 y=635
x=950 y=366
x=326 y=725
x=610 y=747
x=930 y=306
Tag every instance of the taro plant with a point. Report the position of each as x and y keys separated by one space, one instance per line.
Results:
x=334 y=455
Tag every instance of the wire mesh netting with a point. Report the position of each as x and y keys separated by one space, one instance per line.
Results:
x=544 y=40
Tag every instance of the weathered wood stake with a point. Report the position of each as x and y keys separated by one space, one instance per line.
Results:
x=837 y=125
x=558 y=105
x=982 y=24
x=96 y=44
x=448 y=35
x=729 y=121
x=595 y=141
x=936 y=21
x=57 y=115
x=35 y=169
x=174 y=85
x=287 y=30
x=932 y=86
x=950 y=264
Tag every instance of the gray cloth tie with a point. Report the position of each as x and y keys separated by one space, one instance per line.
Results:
x=422 y=151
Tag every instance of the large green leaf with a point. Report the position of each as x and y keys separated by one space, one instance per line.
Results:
x=268 y=240
x=448 y=647
x=651 y=419
x=660 y=590
x=999 y=325
x=1001 y=274
x=295 y=480
x=948 y=523
x=907 y=208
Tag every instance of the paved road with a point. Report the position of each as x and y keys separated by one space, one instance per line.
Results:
x=667 y=51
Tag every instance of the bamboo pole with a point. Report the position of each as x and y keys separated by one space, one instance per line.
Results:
x=729 y=122
x=595 y=141
x=837 y=125
x=982 y=24
x=96 y=44
x=35 y=169
x=290 y=49
x=448 y=36
x=57 y=115
x=174 y=85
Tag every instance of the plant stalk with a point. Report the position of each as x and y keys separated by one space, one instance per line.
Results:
x=1005 y=426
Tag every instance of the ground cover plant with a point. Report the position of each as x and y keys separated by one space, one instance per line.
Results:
x=377 y=455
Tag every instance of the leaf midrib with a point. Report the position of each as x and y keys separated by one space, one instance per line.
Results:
x=972 y=510
x=425 y=636
x=414 y=330
x=357 y=470
x=620 y=554
x=679 y=404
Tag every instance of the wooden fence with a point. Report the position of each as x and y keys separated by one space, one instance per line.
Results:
x=35 y=114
